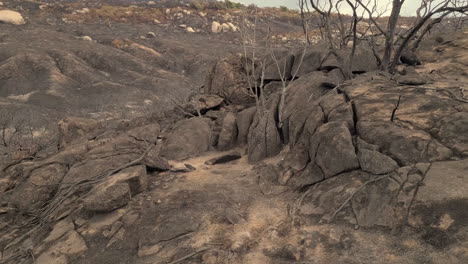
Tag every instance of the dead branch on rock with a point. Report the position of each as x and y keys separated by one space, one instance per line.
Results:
x=41 y=218
x=50 y=208
x=355 y=192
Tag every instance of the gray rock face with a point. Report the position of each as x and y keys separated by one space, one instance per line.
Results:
x=94 y=167
x=244 y=120
x=453 y=132
x=411 y=79
x=374 y=204
x=108 y=199
x=272 y=88
x=445 y=180
x=228 y=134
x=364 y=61
x=264 y=139
x=297 y=158
x=272 y=73
x=363 y=145
x=334 y=78
x=148 y=133
x=301 y=114
x=404 y=145
x=376 y=162
x=311 y=174
x=310 y=62
x=333 y=150
x=189 y=138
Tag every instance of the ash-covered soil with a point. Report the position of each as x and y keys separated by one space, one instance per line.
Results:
x=162 y=157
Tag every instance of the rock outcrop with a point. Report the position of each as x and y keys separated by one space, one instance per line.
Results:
x=189 y=138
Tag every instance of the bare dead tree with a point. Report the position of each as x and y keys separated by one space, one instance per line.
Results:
x=250 y=46
x=285 y=83
x=426 y=30
x=339 y=29
x=305 y=22
x=425 y=12
x=444 y=9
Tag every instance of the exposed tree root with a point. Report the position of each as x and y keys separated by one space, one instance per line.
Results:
x=42 y=217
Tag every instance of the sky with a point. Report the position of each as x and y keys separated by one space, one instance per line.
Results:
x=409 y=7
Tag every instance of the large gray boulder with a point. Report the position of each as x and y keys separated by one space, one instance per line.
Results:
x=300 y=109
x=310 y=62
x=244 y=120
x=189 y=138
x=282 y=69
x=264 y=138
x=228 y=135
x=108 y=199
x=333 y=150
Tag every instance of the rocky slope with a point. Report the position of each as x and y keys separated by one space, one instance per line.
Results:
x=371 y=170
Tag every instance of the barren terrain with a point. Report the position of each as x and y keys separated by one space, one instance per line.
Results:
x=152 y=150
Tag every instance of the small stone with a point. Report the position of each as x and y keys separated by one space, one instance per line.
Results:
x=181 y=167
x=86 y=38
x=150 y=35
